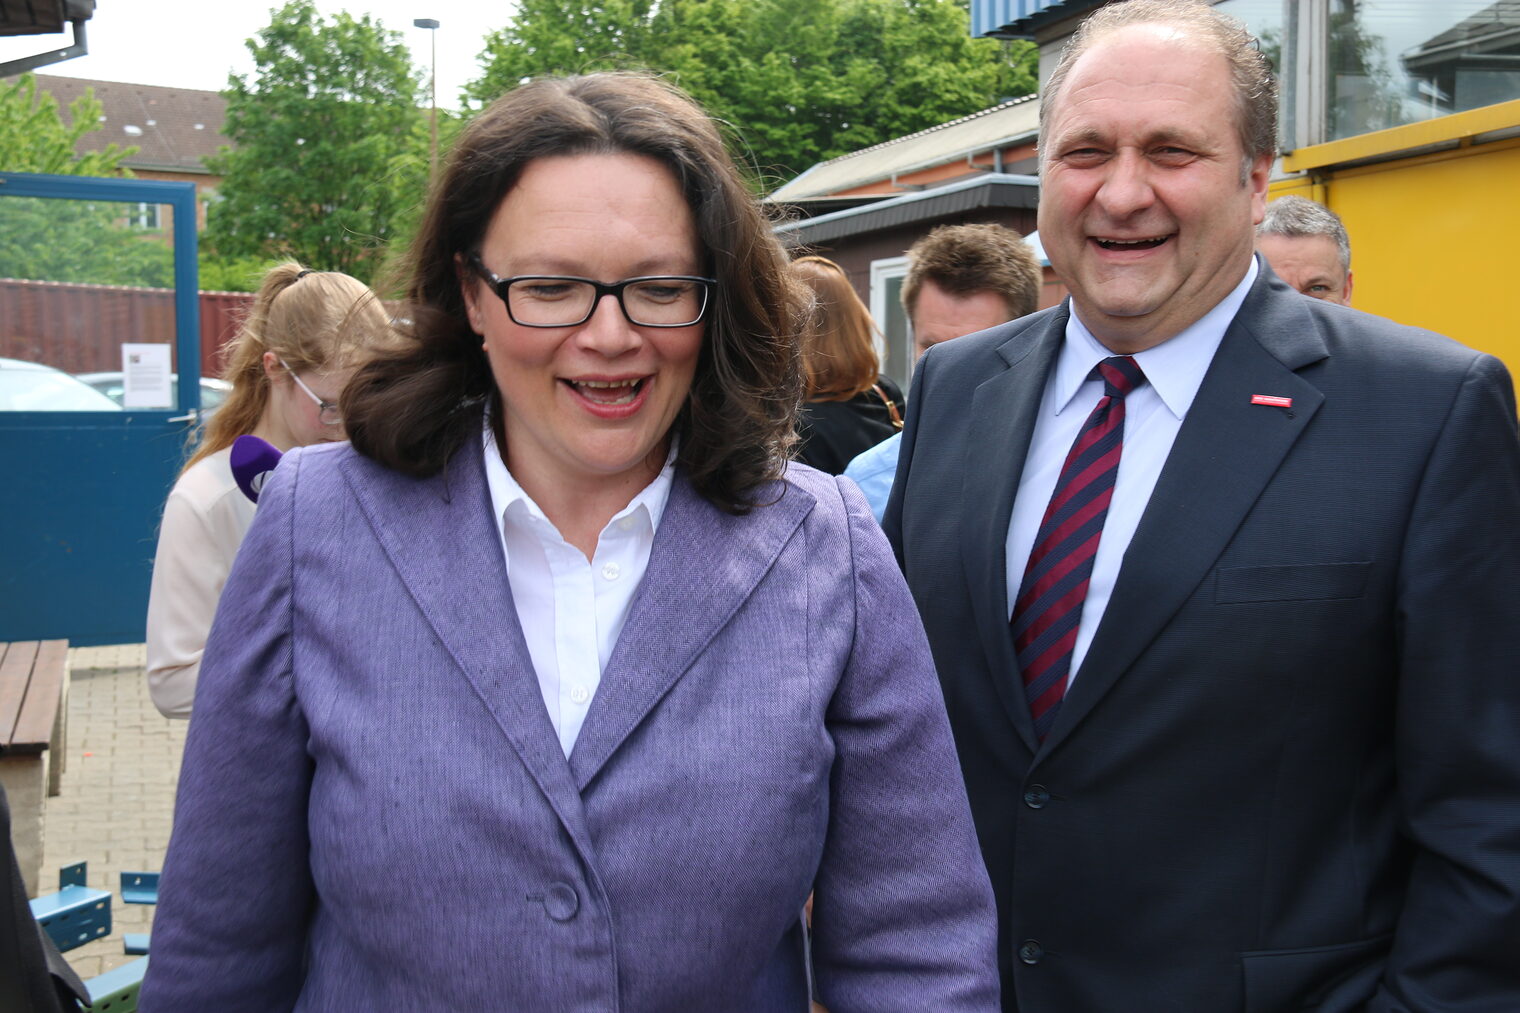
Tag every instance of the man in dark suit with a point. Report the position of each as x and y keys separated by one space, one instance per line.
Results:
x=34 y=978
x=1222 y=585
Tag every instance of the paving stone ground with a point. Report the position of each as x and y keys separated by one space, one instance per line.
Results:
x=117 y=801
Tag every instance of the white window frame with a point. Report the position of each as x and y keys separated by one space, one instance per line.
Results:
x=883 y=271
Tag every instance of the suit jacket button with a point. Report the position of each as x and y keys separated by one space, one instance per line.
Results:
x=1035 y=796
x=1031 y=952
x=560 y=902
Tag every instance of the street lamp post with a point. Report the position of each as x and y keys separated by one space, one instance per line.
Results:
x=431 y=24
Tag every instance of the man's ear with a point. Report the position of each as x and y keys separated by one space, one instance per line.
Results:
x=1257 y=178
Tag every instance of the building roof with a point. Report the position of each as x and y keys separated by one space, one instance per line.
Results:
x=1494 y=28
x=989 y=190
x=1012 y=122
x=174 y=129
x=1021 y=19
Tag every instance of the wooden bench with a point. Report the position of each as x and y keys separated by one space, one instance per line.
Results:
x=33 y=687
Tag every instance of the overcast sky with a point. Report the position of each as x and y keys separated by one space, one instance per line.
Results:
x=196 y=43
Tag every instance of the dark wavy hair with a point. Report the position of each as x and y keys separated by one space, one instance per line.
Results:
x=412 y=409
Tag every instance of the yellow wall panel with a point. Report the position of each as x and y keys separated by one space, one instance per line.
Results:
x=1432 y=243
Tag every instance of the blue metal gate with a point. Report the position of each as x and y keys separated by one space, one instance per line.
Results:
x=81 y=491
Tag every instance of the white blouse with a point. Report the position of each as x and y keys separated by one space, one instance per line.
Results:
x=571 y=609
x=205 y=519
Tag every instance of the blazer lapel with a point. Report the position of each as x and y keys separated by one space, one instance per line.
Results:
x=460 y=585
x=703 y=566
x=1002 y=421
x=1225 y=453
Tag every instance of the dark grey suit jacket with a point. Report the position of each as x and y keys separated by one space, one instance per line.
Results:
x=1288 y=775
x=34 y=977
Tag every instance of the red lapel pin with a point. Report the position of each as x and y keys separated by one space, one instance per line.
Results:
x=1273 y=400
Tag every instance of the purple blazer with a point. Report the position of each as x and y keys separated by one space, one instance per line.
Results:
x=375 y=813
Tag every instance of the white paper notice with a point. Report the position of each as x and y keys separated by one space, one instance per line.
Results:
x=146 y=381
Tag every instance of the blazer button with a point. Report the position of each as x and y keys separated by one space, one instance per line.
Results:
x=1031 y=952
x=560 y=902
x=1035 y=796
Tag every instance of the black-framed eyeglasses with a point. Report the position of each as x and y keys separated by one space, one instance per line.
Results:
x=553 y=300
x=327 y=411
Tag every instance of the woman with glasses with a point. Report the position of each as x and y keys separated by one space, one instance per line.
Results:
x=557 y=690
x=286 y=365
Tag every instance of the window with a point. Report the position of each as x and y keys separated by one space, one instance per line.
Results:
x=886 y=309
x=145 y=216
x=1397 y=62
x=1356 y=66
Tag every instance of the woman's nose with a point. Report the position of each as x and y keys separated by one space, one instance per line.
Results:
x=608 y=331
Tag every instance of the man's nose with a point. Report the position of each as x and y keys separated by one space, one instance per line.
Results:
x=1126 y=185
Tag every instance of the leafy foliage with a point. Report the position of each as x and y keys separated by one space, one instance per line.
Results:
x=800 y=81
x=68 y=240
x=325 y=135
x=34 y=137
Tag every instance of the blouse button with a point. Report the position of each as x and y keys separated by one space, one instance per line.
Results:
x=611 y=571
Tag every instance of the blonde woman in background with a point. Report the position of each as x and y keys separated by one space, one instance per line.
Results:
x=849 y=406
x=287 y=366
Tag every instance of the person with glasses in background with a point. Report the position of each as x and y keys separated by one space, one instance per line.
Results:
x=559 y=688
x=304 y=334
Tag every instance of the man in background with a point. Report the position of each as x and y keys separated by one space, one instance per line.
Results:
x=961 y=279
x=1307 y=246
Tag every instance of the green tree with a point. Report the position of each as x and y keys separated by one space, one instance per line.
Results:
x=328 y=115
x=799 y=81
x=68 y=240
x=35 y=138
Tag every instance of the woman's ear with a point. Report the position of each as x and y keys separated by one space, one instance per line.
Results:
x=468 y=290
x=272 y=368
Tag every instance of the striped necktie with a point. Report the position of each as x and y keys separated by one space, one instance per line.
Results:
x=1049 y=605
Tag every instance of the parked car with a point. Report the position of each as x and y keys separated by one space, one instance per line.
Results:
x=213 y=391
x=33 y=387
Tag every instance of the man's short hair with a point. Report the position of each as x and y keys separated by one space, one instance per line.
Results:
x=1296 y=217
x=962 y=259
x=1250 y=72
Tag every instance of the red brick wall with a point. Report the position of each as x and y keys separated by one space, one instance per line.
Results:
x=80 y=328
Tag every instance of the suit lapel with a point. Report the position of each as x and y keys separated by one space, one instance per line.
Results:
x=1002 y=421
x=703 y=566
x=1225 y=454
x=439 y=535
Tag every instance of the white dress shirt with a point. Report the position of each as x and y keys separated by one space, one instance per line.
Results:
x=571 y=609
x=1153 y=414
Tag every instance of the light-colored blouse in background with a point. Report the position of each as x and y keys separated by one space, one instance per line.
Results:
x=204 y=522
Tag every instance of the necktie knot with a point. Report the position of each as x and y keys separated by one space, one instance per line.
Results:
x=1120 y=375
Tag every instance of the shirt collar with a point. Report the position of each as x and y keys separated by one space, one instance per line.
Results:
x=508 y=495
x=1174 y=368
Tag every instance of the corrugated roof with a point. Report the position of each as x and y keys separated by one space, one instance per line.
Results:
x=1017 y=120
x=993 y=190
x=1013 y=19
x=174 y=129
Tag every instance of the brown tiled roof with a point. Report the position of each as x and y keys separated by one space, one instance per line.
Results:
x=172 y=128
